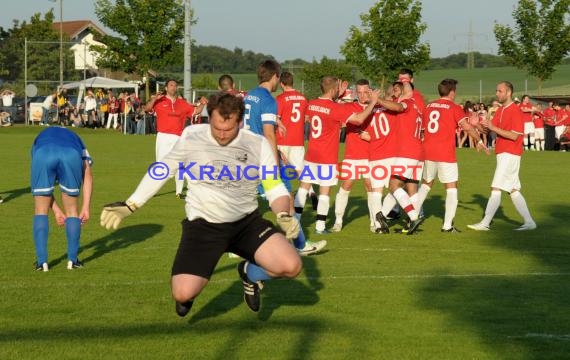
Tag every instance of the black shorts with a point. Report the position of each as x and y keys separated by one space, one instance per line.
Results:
x=203 y=243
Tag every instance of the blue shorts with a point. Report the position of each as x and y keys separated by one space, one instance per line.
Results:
x=51 y=163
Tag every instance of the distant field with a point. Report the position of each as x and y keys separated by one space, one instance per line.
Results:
x=470 y=82
x=470 y=295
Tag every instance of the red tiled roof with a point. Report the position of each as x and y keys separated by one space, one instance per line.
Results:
x=74 y=28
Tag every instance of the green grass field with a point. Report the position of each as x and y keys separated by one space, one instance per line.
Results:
x=495 y=295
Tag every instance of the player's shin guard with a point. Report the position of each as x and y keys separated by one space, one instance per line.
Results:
x=388 y=204
x=450 y=207
x=73 y=234
x=322 y=212
x=300 y=241
x=520 y=204
x=492 y=207
x=300 y=200
x=256 y=273
x=41 y=230
x=375 y=205
x=422 y=194
x=404 y=200
x=340 y=203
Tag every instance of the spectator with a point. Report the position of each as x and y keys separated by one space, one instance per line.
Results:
x=48 y=108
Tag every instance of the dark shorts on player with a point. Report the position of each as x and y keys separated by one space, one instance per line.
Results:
x=203 y=243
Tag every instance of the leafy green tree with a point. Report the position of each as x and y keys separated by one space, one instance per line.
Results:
x=42 y=53
x=540 y=39
x=314 y=72
x=150 y=34
x=388 y=40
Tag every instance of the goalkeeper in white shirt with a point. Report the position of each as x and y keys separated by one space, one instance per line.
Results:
x=224 y=165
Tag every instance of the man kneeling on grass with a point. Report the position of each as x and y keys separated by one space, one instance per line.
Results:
x=222 y=210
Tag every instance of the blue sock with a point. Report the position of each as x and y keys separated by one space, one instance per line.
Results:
x=73 y=232
x=300 y=241
x=256 y=273
x=41 y=230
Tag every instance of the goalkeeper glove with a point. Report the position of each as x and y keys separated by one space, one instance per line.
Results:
x=289 y=224
x=114 y=213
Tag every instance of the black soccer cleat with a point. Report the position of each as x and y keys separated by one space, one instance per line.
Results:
x=383 y=229
x=393 y=215
x=250 y=289
x=414 y=225
x=452 y=229
x=182 y=309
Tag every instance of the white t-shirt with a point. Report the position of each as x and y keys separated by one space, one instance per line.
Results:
x=220 y=188
x=90 y=103
x=48 y=102
x=7 y=100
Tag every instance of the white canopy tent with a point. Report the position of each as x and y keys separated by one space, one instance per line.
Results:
x=99 y=82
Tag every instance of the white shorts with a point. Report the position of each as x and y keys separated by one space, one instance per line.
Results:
x=380 y=172
x=446 y=172
x=409 y=168
x=506 y=175
x=529 y=128
x=539 y=133
x=164 y=143
x=319 y=174
x=354 y=169
x=293 y=154
x=559 y=130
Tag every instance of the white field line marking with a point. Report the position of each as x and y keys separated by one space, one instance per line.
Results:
x=565 y=337
x=20 y=284
x=538 y=251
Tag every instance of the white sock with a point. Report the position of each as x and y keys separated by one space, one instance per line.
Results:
x=322 y=211
x=179 y=185
x=404 y=200
x=370 y=199
x=532 y=142
x=375 y=206
x=450 y=207
x=414 y=199
x=300 y=200
x=492 y=207
x=422 y=194
x=388 y=204
x=520 y=204
x=340 y=202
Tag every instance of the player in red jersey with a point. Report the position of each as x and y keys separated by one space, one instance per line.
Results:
x=527 y=110
x=171 y=114
x=407 y=165
x=355 y=163
x=226 y=85
x=441 y=119
x=326 y=118
x=509 y=126
x=537 y=118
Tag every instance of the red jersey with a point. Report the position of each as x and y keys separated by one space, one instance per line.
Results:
x=419 y=99
x=383 y=134
x=171 y=115
x=291 y=106
x=355 y=148
x=538 y=120
x=549 y=116
x=409 y=131
x=509 y=118
x=441 y=119
x=527 y=116
x=326 y=118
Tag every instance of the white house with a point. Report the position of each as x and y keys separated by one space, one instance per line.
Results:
x=81 y=32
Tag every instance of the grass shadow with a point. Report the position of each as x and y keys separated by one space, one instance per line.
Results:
x=525 y=313
x=119 y=239
x=16 y=193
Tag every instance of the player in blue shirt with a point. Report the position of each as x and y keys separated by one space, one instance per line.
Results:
x=59 y=156
x=260 y=117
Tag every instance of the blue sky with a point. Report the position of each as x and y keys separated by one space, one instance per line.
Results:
x=304 y=29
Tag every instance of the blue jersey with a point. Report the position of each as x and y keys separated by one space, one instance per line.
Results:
x=260 y=109
x=58 y=155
